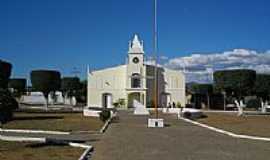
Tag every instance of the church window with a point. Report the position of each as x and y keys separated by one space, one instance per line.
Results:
x=135 y=81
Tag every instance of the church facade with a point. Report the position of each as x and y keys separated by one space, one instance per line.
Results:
x=134 y=83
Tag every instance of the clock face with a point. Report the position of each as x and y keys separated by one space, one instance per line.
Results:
x=136 y=60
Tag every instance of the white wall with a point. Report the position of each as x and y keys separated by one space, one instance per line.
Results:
x=111 y=80
x=115 y=81
x=170 y=82
x=175 y=86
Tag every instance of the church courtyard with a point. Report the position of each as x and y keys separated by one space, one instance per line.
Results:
x=129 y=138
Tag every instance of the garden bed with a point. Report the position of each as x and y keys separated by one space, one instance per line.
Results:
x=254 y=125
x=67 y=122
x=30 y=151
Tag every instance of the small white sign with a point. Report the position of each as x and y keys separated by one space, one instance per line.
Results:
x=155 y=123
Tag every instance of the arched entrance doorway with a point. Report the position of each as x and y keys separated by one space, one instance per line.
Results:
x=139 y=97
x=107 y=100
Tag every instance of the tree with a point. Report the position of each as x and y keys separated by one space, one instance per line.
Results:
x=240 y=82
x=70 y=86
x=5 y=72
x=82 y=93
x=19 y=86
x=262 y=86
x=7 y=103
x=203 y=89
x=46 y=81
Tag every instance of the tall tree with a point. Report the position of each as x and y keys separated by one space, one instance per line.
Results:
x=240 y=82
x=46 y=81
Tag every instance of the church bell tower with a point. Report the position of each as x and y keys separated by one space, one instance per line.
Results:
x=135 y=66
x=136 y=52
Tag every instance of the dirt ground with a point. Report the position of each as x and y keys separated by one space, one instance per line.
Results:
x=28 y=151
x=256 y=125
x=54 y=122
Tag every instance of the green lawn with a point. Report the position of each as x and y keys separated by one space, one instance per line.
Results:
x=28 y=151
x=54 y=122
x=256 y=125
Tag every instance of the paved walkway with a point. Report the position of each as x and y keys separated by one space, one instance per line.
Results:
x=130 y=139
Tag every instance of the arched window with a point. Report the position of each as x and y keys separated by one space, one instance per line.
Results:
x=135 y=81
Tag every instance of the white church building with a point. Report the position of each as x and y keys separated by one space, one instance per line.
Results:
x=134 y=83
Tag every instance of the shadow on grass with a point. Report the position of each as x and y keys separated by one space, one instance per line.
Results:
x=203 y=116
x=41 y=145
x=37 y=118
x=167 y=125
x=57 y=142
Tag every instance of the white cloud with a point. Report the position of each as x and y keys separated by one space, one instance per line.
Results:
x=163 y=58
x=236 y=59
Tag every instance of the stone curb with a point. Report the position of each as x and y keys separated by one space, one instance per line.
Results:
x=105 y=126
x=34 y=131
x=88 y=149
x=226 y=132
x=22 y=139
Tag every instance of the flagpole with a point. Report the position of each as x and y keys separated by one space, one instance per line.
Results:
x=156 y=59
x=87 y=80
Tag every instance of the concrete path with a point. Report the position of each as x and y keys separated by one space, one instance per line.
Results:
x=130 y=139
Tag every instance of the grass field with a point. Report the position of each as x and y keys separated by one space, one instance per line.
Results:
x=256 y=125
x=54 y=122
x=28 y=151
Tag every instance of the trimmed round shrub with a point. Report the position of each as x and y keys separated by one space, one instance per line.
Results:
x=69 y=85
x=18 y=84
x=104 y=115
x=241 y=82
x=7 y=105
x=46 y=81
x=254 y=103
x=5 y=72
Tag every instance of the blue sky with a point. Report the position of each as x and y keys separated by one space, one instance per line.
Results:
x=57 y=34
